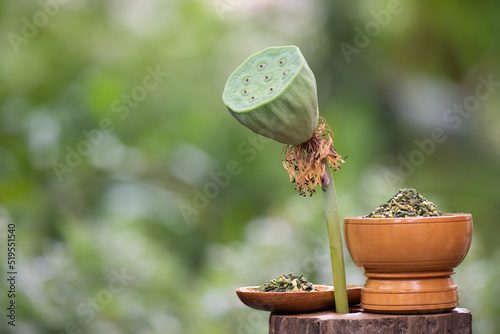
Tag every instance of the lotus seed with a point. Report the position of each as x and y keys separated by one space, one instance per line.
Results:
x=284 y=74
x=246 y=81
x=268 y=77
x=261 y=67
x=282 y=62
x=245 y=92
x=252 y=99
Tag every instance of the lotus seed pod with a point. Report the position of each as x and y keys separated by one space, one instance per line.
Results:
x=273 y=93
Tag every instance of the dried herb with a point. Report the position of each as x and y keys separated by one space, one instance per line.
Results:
x=305 y=162
x=406 y=203
x=287 y=283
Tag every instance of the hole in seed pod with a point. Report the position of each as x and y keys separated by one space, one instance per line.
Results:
x=253 y=98
x=285 y=74
x=245 y=92
x=282 y=62
x=261 y=66
x=271 y=90
x=268 y=77
x=247 y=81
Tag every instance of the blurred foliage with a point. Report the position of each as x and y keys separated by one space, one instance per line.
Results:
x=118 y=158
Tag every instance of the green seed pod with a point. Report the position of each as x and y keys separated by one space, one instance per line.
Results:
x=273 y=93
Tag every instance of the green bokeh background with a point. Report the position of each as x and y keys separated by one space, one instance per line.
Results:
x=109 y=171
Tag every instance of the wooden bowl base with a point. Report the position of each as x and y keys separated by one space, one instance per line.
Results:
x=408 y=293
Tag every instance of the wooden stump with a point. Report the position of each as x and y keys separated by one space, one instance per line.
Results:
x=457 y=321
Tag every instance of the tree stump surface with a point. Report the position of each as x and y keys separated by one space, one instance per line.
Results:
x=457 y=321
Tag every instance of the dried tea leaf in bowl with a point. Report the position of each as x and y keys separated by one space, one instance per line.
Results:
x=287 y=283
x=406 y=203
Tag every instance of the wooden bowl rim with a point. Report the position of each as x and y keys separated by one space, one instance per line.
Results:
x=447 y=218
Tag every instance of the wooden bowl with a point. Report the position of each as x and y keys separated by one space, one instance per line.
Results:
x=409 y=261
x=296 y=302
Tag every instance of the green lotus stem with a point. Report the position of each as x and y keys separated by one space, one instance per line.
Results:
x=335 y=242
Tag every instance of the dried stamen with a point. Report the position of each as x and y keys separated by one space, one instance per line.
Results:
x=305 y=162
